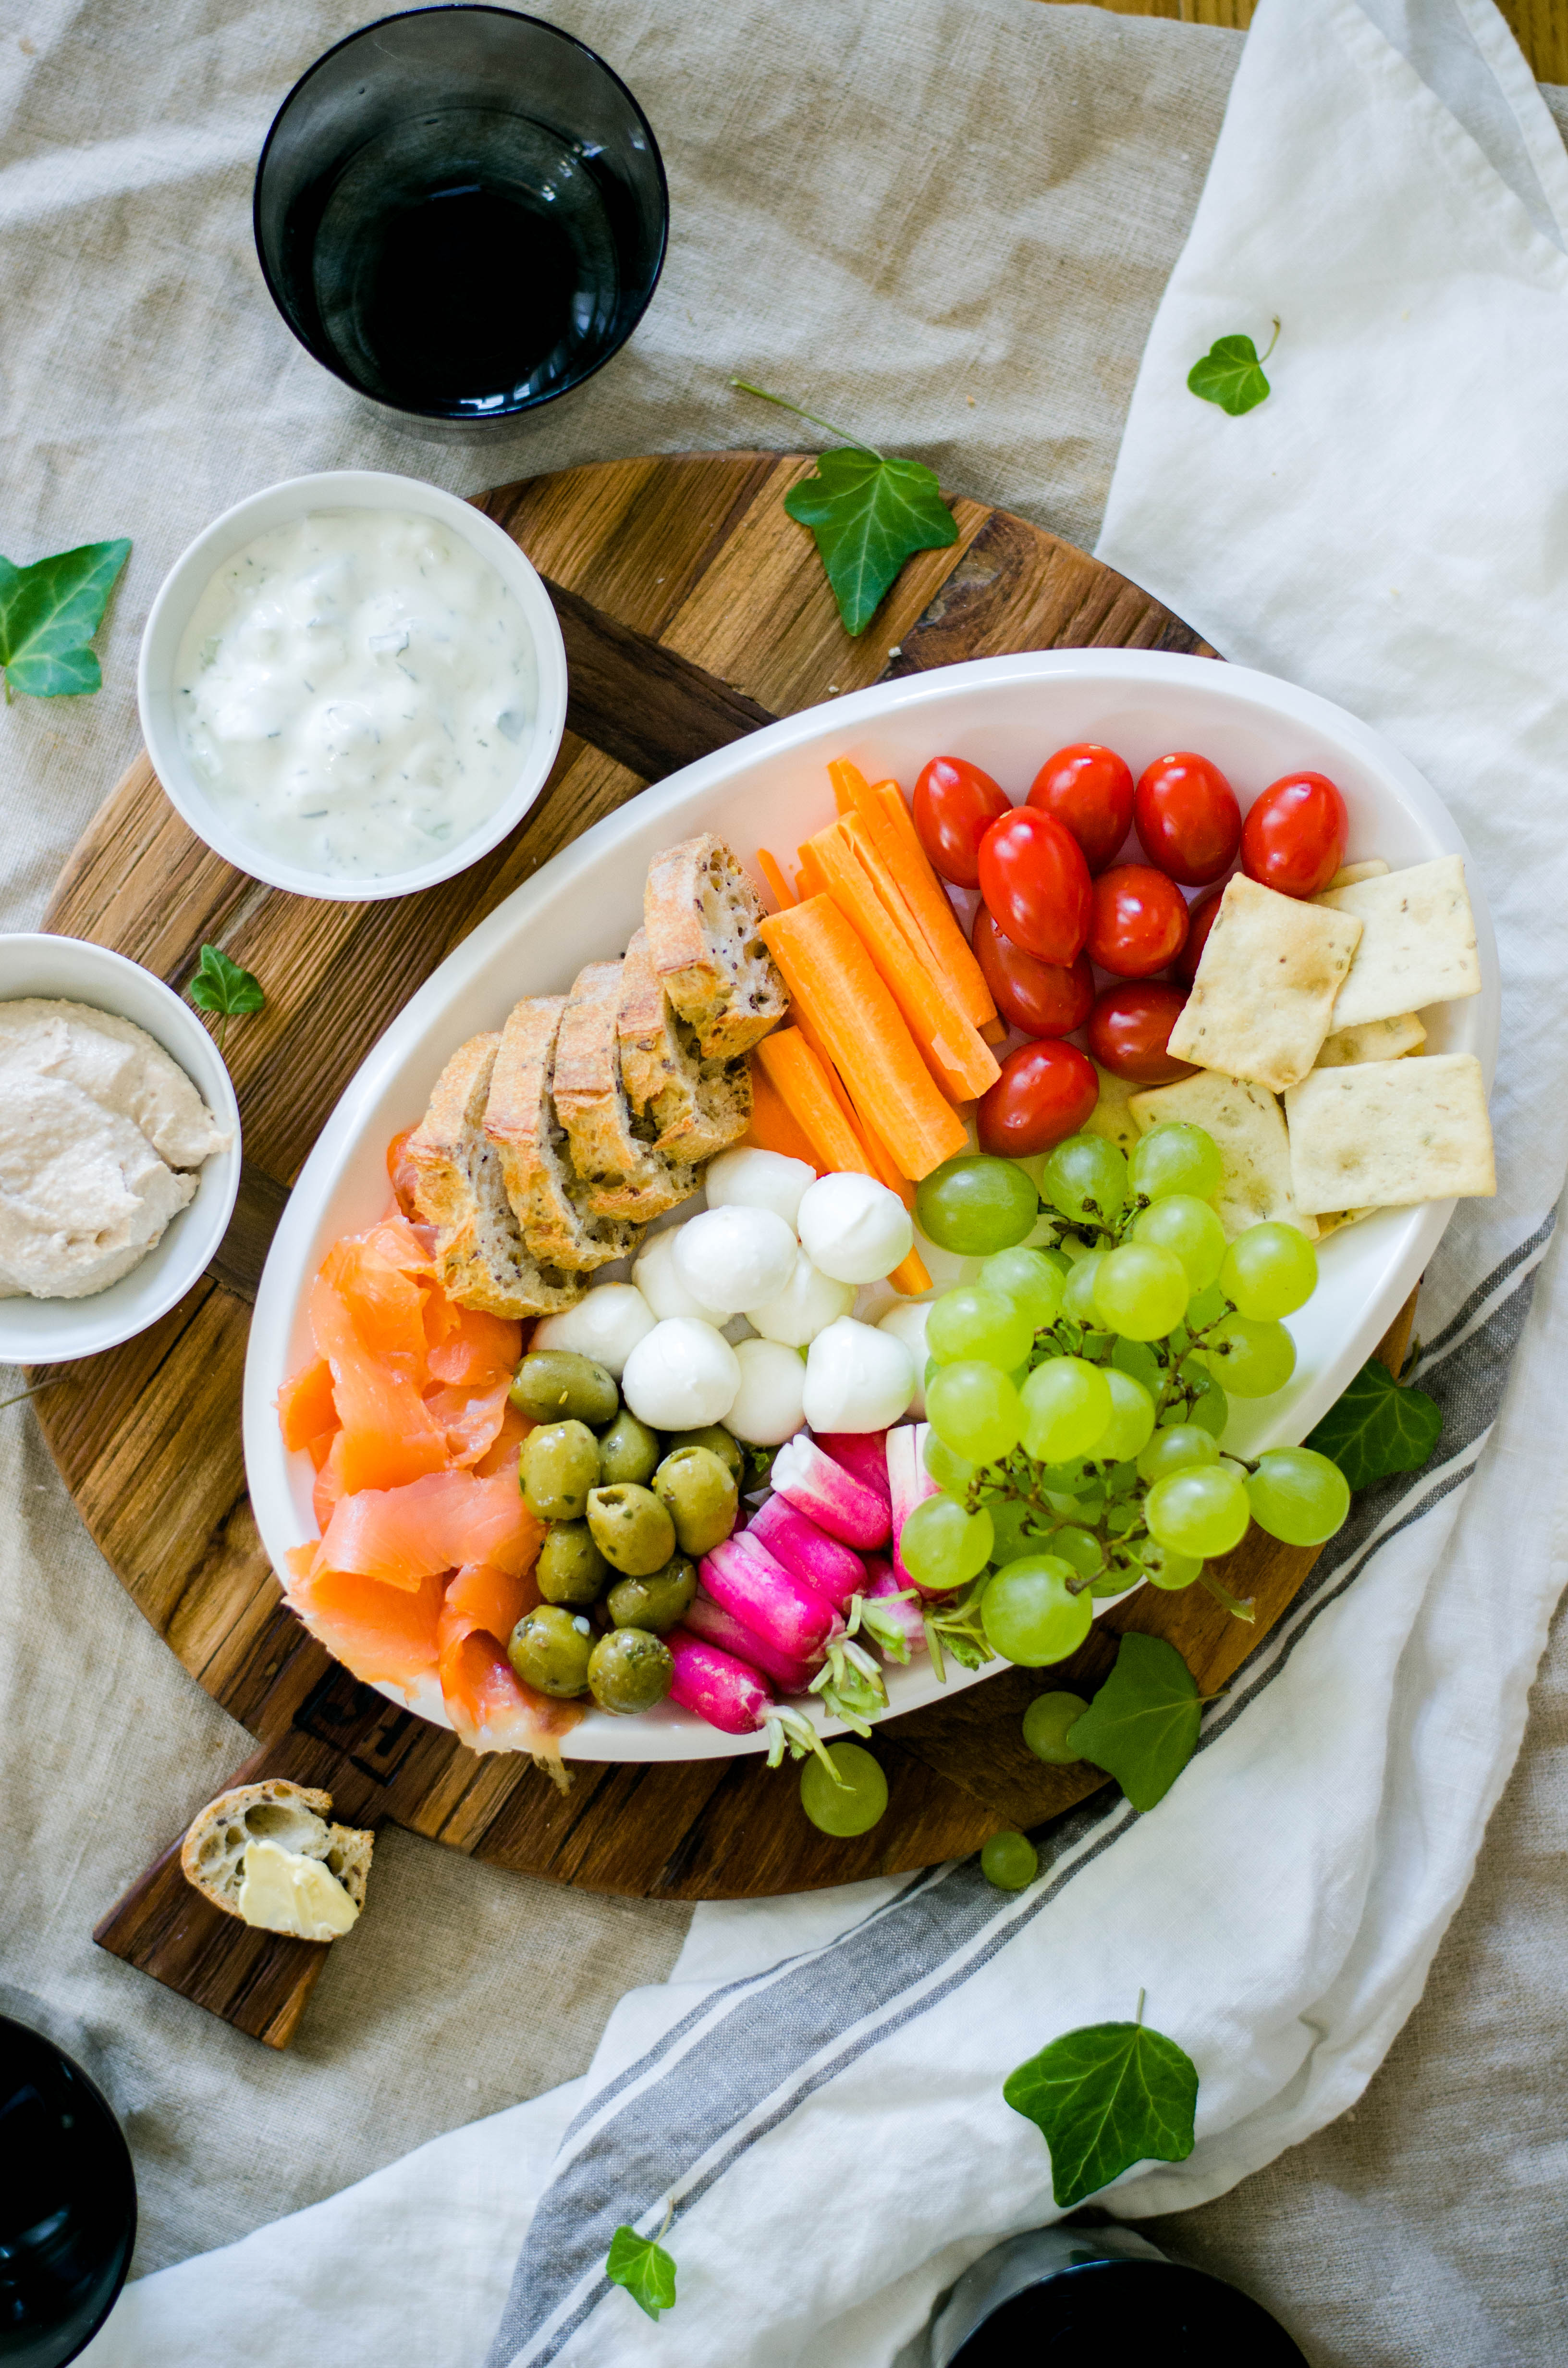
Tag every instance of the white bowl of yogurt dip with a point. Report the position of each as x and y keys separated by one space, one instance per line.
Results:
x=118 y=1172
x=352 y=685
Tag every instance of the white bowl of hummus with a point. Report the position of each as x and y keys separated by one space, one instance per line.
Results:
x=119 y=1149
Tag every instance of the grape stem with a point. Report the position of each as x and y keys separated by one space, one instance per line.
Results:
x=1246 y=1610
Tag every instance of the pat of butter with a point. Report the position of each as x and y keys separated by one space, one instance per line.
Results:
x=284 y=1891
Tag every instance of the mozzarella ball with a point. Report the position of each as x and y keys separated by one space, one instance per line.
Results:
x=856 y=1378
x=607 y=1325
x=735 y=1258
x=769 y=1405
x=681 y=1375
x=906 y=1322
x=808 y=1303
x=759 y=1180
x=655 y=1277
x=854 y=1228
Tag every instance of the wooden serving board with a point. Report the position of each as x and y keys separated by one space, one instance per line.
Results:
x=694 y=611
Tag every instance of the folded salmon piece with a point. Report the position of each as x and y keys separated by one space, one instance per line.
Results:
x=436 y=1523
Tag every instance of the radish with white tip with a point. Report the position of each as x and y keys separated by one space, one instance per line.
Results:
x=605 y=1326
x=835 y=1569
x=769 y=1405
x=716 y=1626
x=830 y=1496
x=736 y=1258
x=681 y=1376
x=863 y=1454
x=856 y=1378
x=854 y=1228
x=759 y=1180
x=731 y=1695
x=808 y=1303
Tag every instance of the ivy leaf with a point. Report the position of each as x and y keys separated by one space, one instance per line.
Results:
x=220 y=985
x=1104 y=2098
x=1141 y=1726
x=1378 y=1429
x=48 y=612
x=1231 y=375
x=641 y=2265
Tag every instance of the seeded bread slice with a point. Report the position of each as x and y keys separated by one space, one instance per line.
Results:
x=295 y=1816
x=548 y=1201
x=613 y=1152
x=481 y=1255
x=702 y=916
x=697 y=1107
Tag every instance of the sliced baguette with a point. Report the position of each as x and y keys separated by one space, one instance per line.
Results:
x=697 y=1108
x=548 y=1201
x=622 y=1173
x=481 y=1255
x=702 y=916
x=295 y=1816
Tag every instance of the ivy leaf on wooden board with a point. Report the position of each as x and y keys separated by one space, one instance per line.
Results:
x=1231 y=375
x=1141 y=1726
x=48 y=613
x=641 y=2265
x=1104 y=2098
x=220 y=985
x=1378 y=1428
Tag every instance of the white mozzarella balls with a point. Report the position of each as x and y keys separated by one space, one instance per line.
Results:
x=733 y=1259
x=681 y=1375
x=808 y=1303
x=605 y=1326
x=655 y=1277
x=769 y=1405
x=759 y=1180
x=854 y=1228
x=906 y=1322
x=856 y=1378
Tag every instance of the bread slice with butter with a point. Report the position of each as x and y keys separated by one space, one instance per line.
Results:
x=269 y=1854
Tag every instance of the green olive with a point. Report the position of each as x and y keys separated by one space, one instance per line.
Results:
x=699 y=1494
x=631 y=1529
x=656 y=1602
x=629 y=1670
x=571 y=1568
x=719 y=1441
x=556 y=1385
x=551 y=1650
x=558 y=1466
x=628 y=1451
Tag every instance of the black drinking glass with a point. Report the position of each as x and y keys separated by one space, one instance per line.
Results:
x=67 y=2203
x=461 y=211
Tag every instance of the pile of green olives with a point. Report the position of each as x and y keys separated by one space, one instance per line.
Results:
x=629 y=1515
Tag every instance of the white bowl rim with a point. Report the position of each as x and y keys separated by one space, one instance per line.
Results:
x=349 y=489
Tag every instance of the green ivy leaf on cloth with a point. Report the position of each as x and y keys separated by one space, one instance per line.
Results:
x=220 y=985
x=1378 y=1428
x=1231 y=375
x=641 y=2265
x=1141 y=1726
x=48 y=613
x=1104 y=2098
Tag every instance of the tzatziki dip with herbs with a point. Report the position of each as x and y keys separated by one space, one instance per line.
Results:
x=355 y=689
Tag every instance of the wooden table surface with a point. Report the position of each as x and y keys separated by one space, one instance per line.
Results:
x=1541 y=27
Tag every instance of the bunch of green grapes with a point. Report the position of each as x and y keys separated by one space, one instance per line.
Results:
x=1078 y=1392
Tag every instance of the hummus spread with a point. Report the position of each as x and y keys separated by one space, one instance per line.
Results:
x=99 y=1130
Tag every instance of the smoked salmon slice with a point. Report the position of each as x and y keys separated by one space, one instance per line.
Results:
x=480 y=1596
x=305 y=1405
x=402 y=1535
x=382 y=1634
x=491 y=1712
x=389 y=1434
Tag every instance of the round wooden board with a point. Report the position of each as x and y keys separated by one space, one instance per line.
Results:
x=694 y=610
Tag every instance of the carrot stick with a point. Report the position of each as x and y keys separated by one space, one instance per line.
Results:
x=829 y=973
x=809 y=879
x=849 y=783
x=800 y=1081
x=994 y=1031
x=773 y=1126
x=887 y=822
x=772 y=872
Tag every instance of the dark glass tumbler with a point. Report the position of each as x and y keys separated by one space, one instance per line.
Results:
x=461 y=211
x=67 y=2203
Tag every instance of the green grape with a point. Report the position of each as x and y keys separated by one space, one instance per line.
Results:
x=951 y=1473
x=1164 y=1567
x=1210 y=1407
x=1176 y=1446
x=943 y=1546
x=1010 y=1537
x=1046 y=1724
x=1206 y=1307
x=1141 y=1291
x=1066 y=1406
x=1111 y=1581
x=1299 y=1495
x=1054 y=1256
x=1270 y=1271
x=1080 y=1548
x=974 y=1205
x=1131 y=1416
x=974 y=1410
x=1029 y=1615
x=972 y=1322
x=1176 y=1158
x=1085 y=1177
x=1198 y=1510
x=1009 y=1860
x=1032 y=1280
x=854 y=1803
x=1250 y=1360
x=1078 y=1292
x=1136 y=1357
x=1189 y=1227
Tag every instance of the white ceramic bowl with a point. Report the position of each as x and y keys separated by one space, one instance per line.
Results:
x=771 y=789
x=357 y=489
x=72 y=970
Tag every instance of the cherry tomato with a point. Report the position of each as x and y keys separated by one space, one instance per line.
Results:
x=1139 y=921
x=955 y=805
x=1045 y=1092
x=1187 y=820
x=1088 y=790
x=1042 y=998
x=1294 y=839
x=1036 y=883
x=1129 y=1029
x=1199 y=921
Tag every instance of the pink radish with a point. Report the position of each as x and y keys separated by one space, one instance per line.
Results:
x=834 y=1570
x=743 y=1578
x=828 y=1495
x=710 y=1620
x=729 y=1694
x=910 y=1484
x=889 y=1614
x=863 y=1454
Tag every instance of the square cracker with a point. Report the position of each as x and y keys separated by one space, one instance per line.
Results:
x=1112 y=1115
x=1417 y=941
x=1374 y=1040
x=1255 y=1150
x=1260 y=1004
x=1382 y=1134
